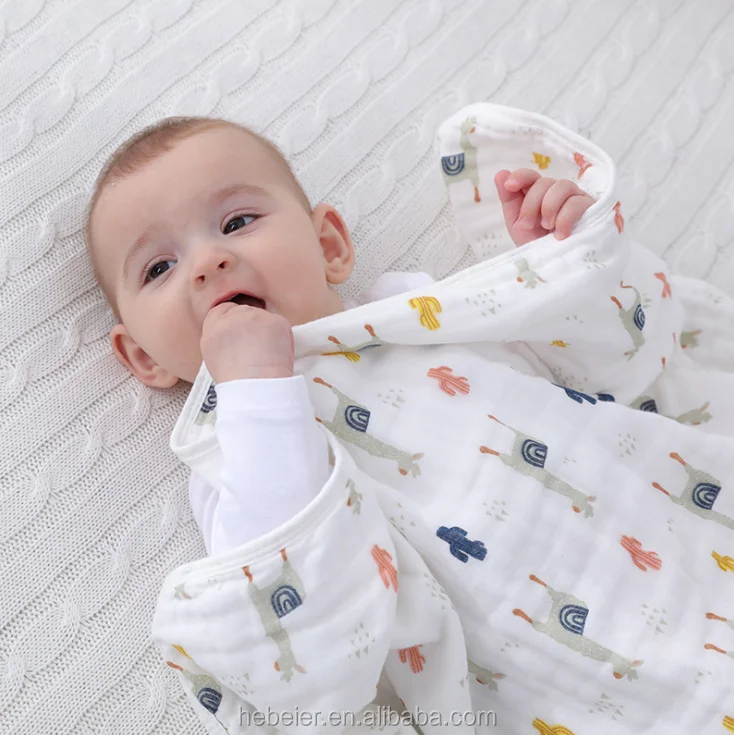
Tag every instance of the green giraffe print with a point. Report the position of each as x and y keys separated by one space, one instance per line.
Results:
x=694 y=417
x=528 y=457
x=699 y=494
x=274 y=601
x=350 y=424
x=484 y=676
x=711 y=646
x=354 y=500
x=207 y=690
x=469 y=170
x=633 y=320
x=352 y=353
x=565 y=624
x=526 y=274
x=689 y=338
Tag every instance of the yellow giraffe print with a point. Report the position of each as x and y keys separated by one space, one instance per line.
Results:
x=726 y=563
x=728 y=723
x=180 y=649
x=545 y=729
x=428 y=307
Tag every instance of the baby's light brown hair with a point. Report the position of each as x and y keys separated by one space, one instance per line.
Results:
x=150 y=143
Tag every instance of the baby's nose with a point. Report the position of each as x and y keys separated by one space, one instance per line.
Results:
x=209 y=261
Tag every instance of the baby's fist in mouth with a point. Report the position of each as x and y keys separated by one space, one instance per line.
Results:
x=240 y=342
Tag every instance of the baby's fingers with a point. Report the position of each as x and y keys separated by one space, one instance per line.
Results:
x=521 y=179
x=530 y=209
x=555 y=199
x=570 y=214
x=511 y=201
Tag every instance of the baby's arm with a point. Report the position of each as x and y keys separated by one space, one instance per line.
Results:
x=533 y=205
x=275 y=459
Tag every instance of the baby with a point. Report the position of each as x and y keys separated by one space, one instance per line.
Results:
x=207 y=248
x=462 y=496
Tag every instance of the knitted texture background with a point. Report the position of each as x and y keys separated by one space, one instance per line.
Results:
x=94 y=506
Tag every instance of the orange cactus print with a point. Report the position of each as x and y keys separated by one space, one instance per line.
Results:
x=544 y=729
x=541 y=161
x=413 y=656
x=640 y=557
x=726 y=563
x=667 y=292
x=388 y=573
x=428 y=307
x=582 y=163
x=618 y=219
x=448 y=382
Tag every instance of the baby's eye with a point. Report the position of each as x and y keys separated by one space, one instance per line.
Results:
x=237 y=223
x=154 y=271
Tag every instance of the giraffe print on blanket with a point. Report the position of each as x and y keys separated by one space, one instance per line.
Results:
x=484 y=676
x=526 y=274
x=699 y=494
x=689 y=339
x=528 y=457
x=350 y=424
x=207 y=690
x=354 y=500
x=565 y=624
x=693 y=417
x=462 y=166
x=273 y=602
x=352 y=353
x=711 y=646
x=633 y=320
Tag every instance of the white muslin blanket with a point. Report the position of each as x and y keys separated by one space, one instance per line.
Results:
x=531 y=508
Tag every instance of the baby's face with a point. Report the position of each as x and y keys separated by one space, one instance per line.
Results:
x=213 y=216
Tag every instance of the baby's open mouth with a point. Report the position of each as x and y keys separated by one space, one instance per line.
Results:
x=244 y=299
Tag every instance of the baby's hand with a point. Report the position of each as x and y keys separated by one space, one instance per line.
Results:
x=534 y=206
x=239 y=342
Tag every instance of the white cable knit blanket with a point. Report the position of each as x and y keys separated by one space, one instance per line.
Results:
x=486 y=458
x=94 y=510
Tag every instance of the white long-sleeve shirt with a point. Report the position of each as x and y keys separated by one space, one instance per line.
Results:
x=275 y=457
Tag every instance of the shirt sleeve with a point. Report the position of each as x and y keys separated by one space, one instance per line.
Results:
x=275 y=460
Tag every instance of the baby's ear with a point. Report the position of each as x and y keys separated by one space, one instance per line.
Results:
x=138 y=361
x=336 y=243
